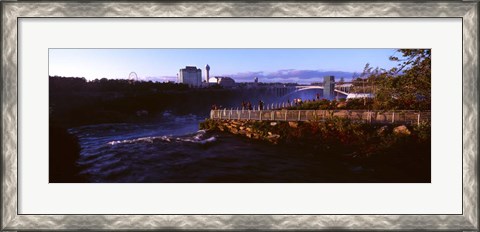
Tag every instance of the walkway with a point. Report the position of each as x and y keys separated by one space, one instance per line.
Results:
x=404 y=117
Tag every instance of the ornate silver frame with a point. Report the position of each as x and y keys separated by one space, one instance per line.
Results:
x=11 y=11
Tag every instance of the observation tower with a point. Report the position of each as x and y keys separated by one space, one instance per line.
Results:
x=207 y=67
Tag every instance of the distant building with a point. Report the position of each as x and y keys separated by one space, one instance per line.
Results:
x=329 y=87
x=226 y=82
x=191 y=76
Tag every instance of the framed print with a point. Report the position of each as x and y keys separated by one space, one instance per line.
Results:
x=237 y=115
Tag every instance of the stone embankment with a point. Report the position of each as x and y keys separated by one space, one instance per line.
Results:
x=247 y=129
x=335 y=132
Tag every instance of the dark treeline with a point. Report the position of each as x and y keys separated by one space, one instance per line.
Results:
x=75 y=101
x=67 y=84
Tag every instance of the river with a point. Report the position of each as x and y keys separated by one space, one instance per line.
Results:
x=174 y=150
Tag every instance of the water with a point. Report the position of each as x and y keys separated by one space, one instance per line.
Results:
x=175 y=151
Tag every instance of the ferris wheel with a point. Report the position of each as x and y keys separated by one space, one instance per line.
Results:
x=132 y=77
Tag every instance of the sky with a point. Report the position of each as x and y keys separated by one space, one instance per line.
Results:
x=269 y=65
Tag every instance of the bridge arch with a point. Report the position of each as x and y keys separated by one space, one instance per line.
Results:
x=304 y=88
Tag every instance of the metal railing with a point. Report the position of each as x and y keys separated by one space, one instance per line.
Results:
x=406 y=117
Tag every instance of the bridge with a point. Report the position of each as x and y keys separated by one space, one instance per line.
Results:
x=342 y=89
x=334 y=90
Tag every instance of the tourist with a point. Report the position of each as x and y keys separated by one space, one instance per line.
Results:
x=260 y=105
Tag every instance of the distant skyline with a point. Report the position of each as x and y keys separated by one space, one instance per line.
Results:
x=268 y=64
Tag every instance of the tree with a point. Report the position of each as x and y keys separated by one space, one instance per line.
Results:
x=407 y=86
x=414 y=78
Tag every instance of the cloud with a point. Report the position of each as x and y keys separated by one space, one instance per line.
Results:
x=161 y=78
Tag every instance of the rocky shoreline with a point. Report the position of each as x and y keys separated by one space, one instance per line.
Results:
x=243 y=128
x=337 y=134
x=393 y=152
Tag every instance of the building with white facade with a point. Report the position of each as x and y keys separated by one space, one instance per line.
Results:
x=226 y=82
x=359 y=95
x=191 y=76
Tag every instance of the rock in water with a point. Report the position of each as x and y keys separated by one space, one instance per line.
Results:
x=382 y=130
x=293 y=124
x=401 y=130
